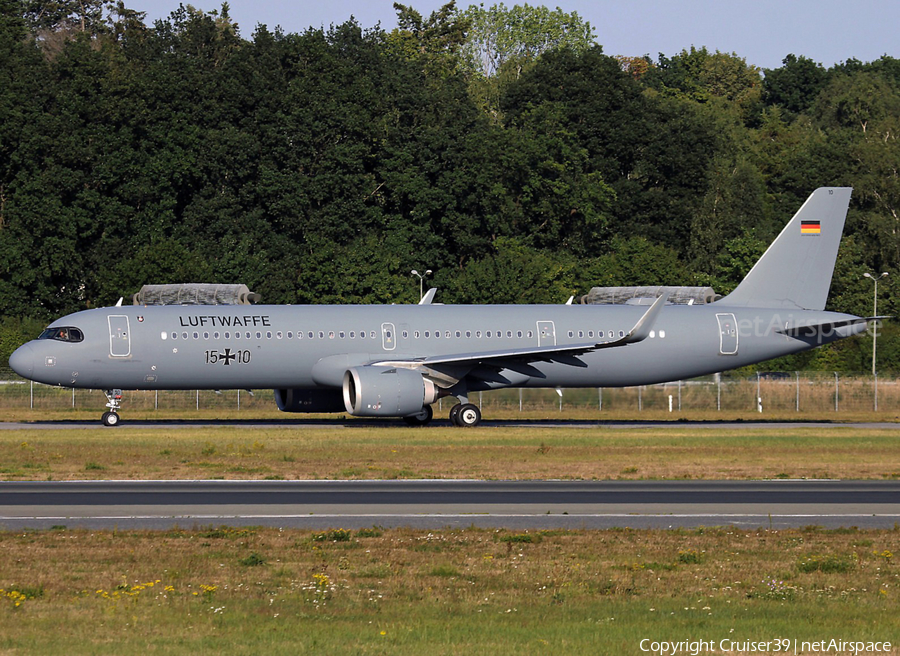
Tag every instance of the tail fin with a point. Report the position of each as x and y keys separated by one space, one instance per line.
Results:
x=796 y=270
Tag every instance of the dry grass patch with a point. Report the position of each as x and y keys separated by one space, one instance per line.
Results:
x=454 y=591
x=277 y=453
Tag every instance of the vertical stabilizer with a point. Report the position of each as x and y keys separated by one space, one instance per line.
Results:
x=795 y=272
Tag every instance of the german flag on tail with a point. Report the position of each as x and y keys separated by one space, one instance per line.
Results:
x=810 y=228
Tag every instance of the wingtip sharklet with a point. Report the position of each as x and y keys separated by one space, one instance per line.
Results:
x=642 y=328
x=645 y=324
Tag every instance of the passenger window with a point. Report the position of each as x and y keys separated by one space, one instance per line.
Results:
x=352 y=334
x=280 y=335
x=488 y=333
x=196 y=335
x=290 y=334
x=216 y=335
x=206 y=335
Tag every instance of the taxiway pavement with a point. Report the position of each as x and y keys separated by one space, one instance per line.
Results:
x=449 y=503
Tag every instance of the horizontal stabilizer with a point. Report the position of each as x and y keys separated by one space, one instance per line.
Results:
x=806 y=330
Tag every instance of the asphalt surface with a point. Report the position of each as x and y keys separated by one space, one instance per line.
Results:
x=447 y=503
x=501 y=423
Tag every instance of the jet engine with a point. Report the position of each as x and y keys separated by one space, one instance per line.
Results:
x=386 y=392
x=309 y=400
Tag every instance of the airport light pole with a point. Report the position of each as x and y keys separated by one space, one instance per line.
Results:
x=421 y=277
x=874 y=279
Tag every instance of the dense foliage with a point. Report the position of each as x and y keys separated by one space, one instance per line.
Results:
x=322 y=167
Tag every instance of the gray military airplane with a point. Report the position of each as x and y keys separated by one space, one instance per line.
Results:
x=397 y=360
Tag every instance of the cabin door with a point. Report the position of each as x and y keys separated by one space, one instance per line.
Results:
x=546 y=333
x=388 y=336
x=119 y=336
x=728 y=336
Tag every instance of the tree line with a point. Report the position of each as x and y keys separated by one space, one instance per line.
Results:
x=499 y=147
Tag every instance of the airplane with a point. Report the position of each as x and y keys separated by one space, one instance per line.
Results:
x=397 y=360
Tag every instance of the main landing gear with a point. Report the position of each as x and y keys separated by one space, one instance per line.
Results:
x=421 y=418
x=465 y=415
x=111 y=417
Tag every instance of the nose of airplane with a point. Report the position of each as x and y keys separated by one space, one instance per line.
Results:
x=22 y=361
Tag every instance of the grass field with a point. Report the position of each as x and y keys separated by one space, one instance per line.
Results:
x=390 y=452
x=473 y=591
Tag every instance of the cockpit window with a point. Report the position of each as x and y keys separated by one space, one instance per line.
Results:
x=63 y=334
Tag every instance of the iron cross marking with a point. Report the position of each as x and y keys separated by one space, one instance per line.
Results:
x=227 y=356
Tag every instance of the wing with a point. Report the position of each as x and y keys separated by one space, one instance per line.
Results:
x=453 y=367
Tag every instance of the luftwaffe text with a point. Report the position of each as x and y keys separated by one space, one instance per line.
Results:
x=235 y=321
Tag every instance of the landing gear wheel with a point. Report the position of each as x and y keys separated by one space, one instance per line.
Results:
x=421 y=418
x=454 y=413
x=110 y=419
x=468 y=416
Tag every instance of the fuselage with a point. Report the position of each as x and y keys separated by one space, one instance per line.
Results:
x=226 y=347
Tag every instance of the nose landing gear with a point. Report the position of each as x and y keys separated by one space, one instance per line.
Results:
x=111 y=417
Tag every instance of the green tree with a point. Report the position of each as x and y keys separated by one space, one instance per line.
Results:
x=795 y=85
x=436 y=41
x=502 y=37
x=513 y=273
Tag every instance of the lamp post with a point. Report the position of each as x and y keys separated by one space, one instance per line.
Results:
x=421 y=277
x=874 y=279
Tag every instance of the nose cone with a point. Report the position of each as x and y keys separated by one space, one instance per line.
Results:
x=22 y=361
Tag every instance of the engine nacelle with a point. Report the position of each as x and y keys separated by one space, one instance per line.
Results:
x=309 y=400
x=386 y=392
